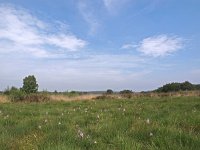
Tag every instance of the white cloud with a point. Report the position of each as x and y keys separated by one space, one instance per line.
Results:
x=161 y=45
x=129 y=46
x=78 y=72
x=114 y=5
x=88 y=15
x=20 y=31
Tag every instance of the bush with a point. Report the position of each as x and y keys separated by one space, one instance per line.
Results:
x=126 y=93
x=16 y=95
x=42 y=97
x=109 y=91
x=175 y=86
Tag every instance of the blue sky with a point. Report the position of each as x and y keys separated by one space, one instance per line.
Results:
x=99 y=44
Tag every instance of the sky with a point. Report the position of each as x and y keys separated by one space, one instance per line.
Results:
x=89 y=45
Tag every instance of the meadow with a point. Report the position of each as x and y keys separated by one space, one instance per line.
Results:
x=120 y=124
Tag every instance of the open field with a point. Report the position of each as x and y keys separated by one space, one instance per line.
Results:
x=138 y=123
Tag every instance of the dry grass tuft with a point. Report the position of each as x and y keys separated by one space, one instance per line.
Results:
x=4 y=99
x=60 y=97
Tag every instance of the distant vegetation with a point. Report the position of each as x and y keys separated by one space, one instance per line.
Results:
x=175 y=86
x=162 y=119
x=29 y=91
x=109 y=91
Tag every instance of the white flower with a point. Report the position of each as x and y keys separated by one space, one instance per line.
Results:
x=40 y=127
x=45 y=120
x=62 y=114
x=88 y=136
x=124 y=109
x=151 y=134
x=95 y=142
x=59 y=123
x=80 y=133
x=98 y=117
x=148 y=121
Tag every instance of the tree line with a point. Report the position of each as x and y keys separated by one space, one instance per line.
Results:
x=175 y=86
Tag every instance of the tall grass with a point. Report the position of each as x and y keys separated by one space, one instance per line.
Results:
x=140 y=123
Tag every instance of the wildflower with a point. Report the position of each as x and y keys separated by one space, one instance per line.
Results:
x=98 y=117
x=59 y=123
x=95 y=142
x=148 y=121
x=80 y=133
x=40 y=127
x=45 y=120
x=124 y=109
x=88 y=136
x=62 y=114
x=151 y=134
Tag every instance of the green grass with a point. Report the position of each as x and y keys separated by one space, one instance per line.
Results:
x=174 y=123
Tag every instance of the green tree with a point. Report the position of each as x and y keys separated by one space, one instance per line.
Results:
x=30 y=84
x=187 y=86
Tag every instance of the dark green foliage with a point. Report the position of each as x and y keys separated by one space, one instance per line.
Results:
x=174 y=87
x=126 y=92
x=187 y=86
x=109 y=91
x=197 y=86
x=16 y=95
x=30 y=84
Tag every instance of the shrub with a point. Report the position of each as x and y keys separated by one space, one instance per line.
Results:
x=40 y=97
x=126 y=93
x=109 y=91
x=16 y=95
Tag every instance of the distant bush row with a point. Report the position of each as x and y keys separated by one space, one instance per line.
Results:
x=28 y=92
x=175 y=86
x=18 y=95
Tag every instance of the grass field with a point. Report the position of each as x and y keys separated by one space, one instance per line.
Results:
x=140 y=123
